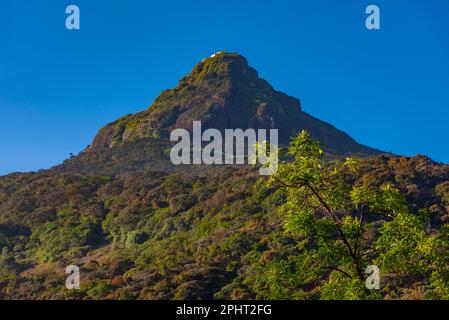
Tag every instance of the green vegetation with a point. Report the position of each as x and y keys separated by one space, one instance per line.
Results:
x=141 y=231
x=343 y=227
x=139 y=227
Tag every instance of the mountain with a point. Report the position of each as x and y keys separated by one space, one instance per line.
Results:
x=140 y=228
x=224 y=92
x=158 y=235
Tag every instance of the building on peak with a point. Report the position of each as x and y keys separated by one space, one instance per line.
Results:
x=216 y=54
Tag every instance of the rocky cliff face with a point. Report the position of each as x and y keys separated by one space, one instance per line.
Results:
x=223 y=91
x=139 y=229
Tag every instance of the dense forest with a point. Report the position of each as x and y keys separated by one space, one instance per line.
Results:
x=226 y=232
x=139 y=227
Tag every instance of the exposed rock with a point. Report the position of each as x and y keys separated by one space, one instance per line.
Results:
x=224 y=92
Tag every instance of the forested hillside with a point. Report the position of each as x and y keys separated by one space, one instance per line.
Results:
x=139 y=227
x=153 y=235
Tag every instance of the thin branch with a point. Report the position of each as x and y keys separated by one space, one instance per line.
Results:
x=359 y=231
x=335 y=220
x=339 y=270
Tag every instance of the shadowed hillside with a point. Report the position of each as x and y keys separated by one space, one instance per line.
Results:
x=224 y=92
x=140 y=228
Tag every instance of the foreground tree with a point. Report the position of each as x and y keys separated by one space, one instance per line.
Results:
x=346 y=232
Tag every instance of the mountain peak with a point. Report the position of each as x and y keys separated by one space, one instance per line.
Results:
x=217 y=53
x=227 y=56
x=221 y=66
x=224 y=92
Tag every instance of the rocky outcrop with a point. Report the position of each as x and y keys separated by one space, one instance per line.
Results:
x=224 y=92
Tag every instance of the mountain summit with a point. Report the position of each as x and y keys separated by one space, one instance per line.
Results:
x=224 y=92
x=140 y=227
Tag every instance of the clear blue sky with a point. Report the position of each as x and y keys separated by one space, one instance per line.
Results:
x=389 y=89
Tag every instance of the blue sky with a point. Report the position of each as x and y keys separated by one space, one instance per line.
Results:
x=389 y=89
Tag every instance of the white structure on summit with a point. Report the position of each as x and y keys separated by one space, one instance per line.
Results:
x=216 y=53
